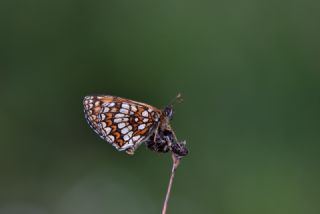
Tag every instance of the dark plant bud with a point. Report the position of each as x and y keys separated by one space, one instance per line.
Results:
x=179 y=149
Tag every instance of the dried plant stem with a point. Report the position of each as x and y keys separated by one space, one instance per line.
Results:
x=175 y=164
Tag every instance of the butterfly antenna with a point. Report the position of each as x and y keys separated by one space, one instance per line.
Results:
x=177 y=99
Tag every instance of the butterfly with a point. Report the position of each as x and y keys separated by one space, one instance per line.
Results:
x=126 y=124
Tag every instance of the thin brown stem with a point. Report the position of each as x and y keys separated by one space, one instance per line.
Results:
x=175 y=164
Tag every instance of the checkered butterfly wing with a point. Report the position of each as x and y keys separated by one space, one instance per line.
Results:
x=121 y=122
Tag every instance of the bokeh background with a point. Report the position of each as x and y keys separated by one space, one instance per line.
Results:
x=248 y=72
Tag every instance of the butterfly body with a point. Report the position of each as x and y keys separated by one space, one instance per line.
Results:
x=126 y=124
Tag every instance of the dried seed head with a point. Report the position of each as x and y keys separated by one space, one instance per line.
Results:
x=180 y=149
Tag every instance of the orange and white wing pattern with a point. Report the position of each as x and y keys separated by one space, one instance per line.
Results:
x=121 y=122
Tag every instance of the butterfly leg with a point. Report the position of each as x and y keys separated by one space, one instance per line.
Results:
x=158 y=143
x=130 y=151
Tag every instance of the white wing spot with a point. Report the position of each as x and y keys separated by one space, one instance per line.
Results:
x=126 y=146
x=145 y=120
x=124 y=131
x=125 y=105
x=110 y=138
x=126 y=137
x=119 y=120
x=142 y=126
x=134 y=108
x=108 y=130
x=130 y=134
x=102 y=116
x=105 y=110
x=125 y=111
x=111 y=104
x=135 y=138
x=119 y=115
x=145 y=113
x=130 y=127
x=136 y=119
x=103 y=124
x=121 y=125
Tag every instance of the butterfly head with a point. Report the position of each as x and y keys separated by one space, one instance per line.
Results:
x=168 y=112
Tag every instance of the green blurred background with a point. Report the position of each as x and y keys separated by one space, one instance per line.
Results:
x=249 y=74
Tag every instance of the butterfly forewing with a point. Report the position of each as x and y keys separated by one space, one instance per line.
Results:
x=122 y=122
